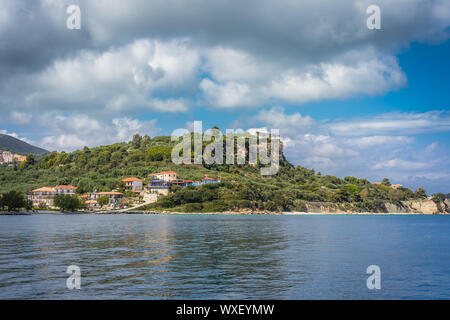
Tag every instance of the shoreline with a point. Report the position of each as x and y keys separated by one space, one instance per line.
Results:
x=230 y=213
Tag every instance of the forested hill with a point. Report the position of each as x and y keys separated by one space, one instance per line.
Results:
x=15 y=145
x=102 y=168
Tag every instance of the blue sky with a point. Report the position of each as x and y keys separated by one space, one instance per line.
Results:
x=347 y=100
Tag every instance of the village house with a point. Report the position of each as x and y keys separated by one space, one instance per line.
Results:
x=91 y=204
x=159 y=186
x=90 y=199
x=207 y=179
x=68 y=190
x=182 y=183
x=165 y=175
x=45 y=196
x=167 y=179
x=112 y=195
x=133 y=184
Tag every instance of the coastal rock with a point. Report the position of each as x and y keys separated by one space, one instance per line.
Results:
x=422 y=206
x=406 y=207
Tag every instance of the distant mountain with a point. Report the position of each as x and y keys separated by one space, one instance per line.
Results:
x=18 y=146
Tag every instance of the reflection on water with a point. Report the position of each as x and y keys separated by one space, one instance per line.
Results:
x=223 y=257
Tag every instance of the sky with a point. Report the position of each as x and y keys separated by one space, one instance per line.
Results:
x=348 y=100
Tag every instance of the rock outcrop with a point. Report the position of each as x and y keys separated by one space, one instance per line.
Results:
x=407 y=207
x=7 y=156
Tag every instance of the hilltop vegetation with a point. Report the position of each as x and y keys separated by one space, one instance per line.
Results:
x=18 y=146
x=242 y=186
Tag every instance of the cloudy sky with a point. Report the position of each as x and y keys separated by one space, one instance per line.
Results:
x=347 y=100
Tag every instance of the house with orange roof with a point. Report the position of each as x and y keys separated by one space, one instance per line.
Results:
x=45 y=196
x=91 y=204
x=133 y=184
x=69 y=190
x=208 y=179
x=165 y=176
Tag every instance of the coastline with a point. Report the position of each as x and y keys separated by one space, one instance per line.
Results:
x=230 y=213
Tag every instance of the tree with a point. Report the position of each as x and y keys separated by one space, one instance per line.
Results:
x=13 y=200
x=364 y=194
x=67 y=202
x=396 y=195
x=386 y=182
x=145 y=142
x=438 y=197
x=103 y=201
x=136 y=142
x=30 y=160
x=28 y=204
x=420 y=193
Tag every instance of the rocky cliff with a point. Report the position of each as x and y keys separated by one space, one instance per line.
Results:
x=406 y=207
x=7 y=156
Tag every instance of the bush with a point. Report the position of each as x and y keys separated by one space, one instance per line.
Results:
x=193 y=207
x=13 y=200
x=67 y=202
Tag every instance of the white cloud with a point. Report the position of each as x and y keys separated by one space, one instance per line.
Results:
x=243 y=80
x=287 y=124
x=21 y=118
x=393 y=123
x=234 y=54
x=400 y=164
x=70 y=133
x=229 y=95
x=119 y=79
x=378 y=141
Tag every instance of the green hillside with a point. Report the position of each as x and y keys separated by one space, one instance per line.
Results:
x=18 y=146
x=242 y=186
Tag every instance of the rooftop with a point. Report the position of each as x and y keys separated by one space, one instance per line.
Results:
x=109 y=193
x=65 y=187
x=131 y=179
x=164 y=172
x=47 y=189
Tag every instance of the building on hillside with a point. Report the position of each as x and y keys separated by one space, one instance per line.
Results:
x=112 y=195
x=207 y=179
x=133 y=184
x=165 y=175
x=67 y=190
x=159 y=186
x=91 y=204
x=45 y=196
x=181 y=182
x=42 y=197
x=393 y=186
